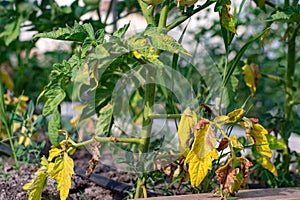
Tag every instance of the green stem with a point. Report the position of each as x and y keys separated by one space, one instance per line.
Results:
x=147 y=121
x=106 y=139
x=289 y=93
x=181 y=19
x=273 y=77
x=8 y=127
x=148 y=13
x=165 y=116
x=164 y=15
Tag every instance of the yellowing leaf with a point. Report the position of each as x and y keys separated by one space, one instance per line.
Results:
x=201 y=155
x=234 y=142
x=54 y=152
x=206 y=140
x=251 y=75
x=258 y=134
x=235 y=115
x=266 y=163
x=186 y=126
x=221 y=119
x=62 y=172
x=39 y=183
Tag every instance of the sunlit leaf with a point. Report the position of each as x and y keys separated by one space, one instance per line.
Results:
x=160 y=40
x=202 y=152
x=258 y=134
x=234 y=142
x=235 y=115
x=276 y=144
x=62 y=171
x=186 y=127
x=77 y=33
x=39 y=183
x=54 y=152
x=251 y=75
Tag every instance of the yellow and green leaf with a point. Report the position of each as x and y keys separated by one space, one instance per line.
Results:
x=37 y=185
x=62 y=171
x=258 y=134
x=186 y=126
x=227 y=20
x=266 y=163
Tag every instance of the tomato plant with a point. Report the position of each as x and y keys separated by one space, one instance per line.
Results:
x=120 y=79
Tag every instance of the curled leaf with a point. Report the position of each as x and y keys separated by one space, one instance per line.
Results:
x=223 y=144
x=94 y=149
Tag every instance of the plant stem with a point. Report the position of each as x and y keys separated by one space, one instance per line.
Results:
x=148 y=13
x=181 y=19
x=164 y=116
x=164 y=15
x=106 y=139
x=147 y=121
x=289 y=93
x=273 y=77
x=8 y=127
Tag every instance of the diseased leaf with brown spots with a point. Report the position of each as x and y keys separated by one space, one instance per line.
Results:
x=251 y=75
x=203 y=151
x=94 y=149
x=227 y=20
x=225 y=176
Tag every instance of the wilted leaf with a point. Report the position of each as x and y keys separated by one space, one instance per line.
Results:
x=186 y=127
x=251 y=75
x=223 y=144
x=53 y=127
x=225 y=176
x=232 y=178
x=227 y=20
x=94 y=149
x=62 y=171
x=200 y=157
x=39 y=183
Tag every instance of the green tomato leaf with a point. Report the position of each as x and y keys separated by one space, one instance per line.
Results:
x=160 y=40
x=53 y=127
x=11 y=31
x=54 y=97
x=78 y=33
x=104 y=120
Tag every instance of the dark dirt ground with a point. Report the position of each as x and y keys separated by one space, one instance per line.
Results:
x=12 y=182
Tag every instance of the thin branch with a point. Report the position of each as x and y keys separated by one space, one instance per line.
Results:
x=188 y=15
